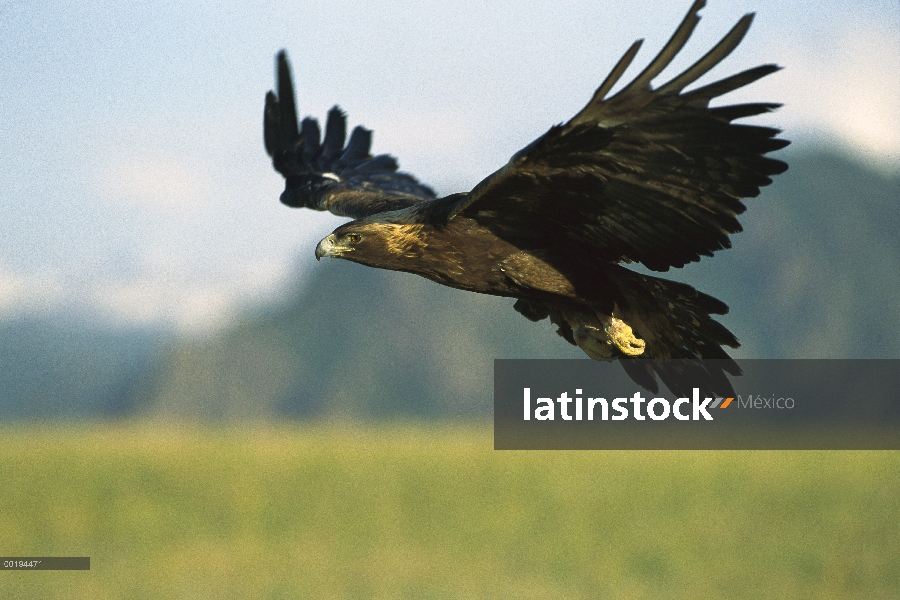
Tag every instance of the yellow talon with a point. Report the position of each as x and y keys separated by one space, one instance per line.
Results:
x=622 y=337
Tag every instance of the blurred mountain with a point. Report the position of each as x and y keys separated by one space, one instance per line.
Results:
x=356 y=342
x=816 y=274
x=61 y=367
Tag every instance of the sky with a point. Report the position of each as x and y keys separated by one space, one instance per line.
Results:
x=135 y=190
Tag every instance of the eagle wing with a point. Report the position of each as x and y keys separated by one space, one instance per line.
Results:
x=325 y=174
x=648 y=175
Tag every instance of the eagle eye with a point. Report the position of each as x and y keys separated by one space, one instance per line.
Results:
x=354 y=238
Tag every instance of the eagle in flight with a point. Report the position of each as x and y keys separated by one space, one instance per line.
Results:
x=646 y=175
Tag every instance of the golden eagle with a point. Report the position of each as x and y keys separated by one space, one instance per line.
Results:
x=647 y=175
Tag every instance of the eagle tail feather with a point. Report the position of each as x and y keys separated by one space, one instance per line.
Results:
x=684 y=343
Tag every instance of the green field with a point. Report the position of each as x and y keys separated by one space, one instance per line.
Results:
x=434 y=512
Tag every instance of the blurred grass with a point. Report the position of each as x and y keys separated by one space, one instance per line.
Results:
x=434 y=512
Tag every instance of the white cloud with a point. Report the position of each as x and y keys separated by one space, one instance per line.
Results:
x=847 y=89
x=154 y=182
x=28 y=293
x=149 y=301
x=153 y=167
x=179 y=163
x=166 y=293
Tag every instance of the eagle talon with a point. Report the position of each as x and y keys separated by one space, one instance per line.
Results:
x=620 y=334
x=600 y=336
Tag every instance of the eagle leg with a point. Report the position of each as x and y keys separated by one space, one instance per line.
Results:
x=594 y=343
x=603 y=337
x=620 y=334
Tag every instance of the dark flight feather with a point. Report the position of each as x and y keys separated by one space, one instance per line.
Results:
x=644 y=175
x=642 y=156
x=662 y=60
x=325 y=175
x=616 y=73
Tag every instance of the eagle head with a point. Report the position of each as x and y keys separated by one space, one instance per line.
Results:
x=373 y=243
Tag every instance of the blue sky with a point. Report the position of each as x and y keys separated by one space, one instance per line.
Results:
x=134 y=187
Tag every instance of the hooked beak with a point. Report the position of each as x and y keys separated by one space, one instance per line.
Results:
x=327 y=248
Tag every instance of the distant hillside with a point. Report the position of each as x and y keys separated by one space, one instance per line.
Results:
x=58 y=368
x=816 y=274
x=357 y=342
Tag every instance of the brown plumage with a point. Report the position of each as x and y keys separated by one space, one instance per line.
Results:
x=647 y=175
